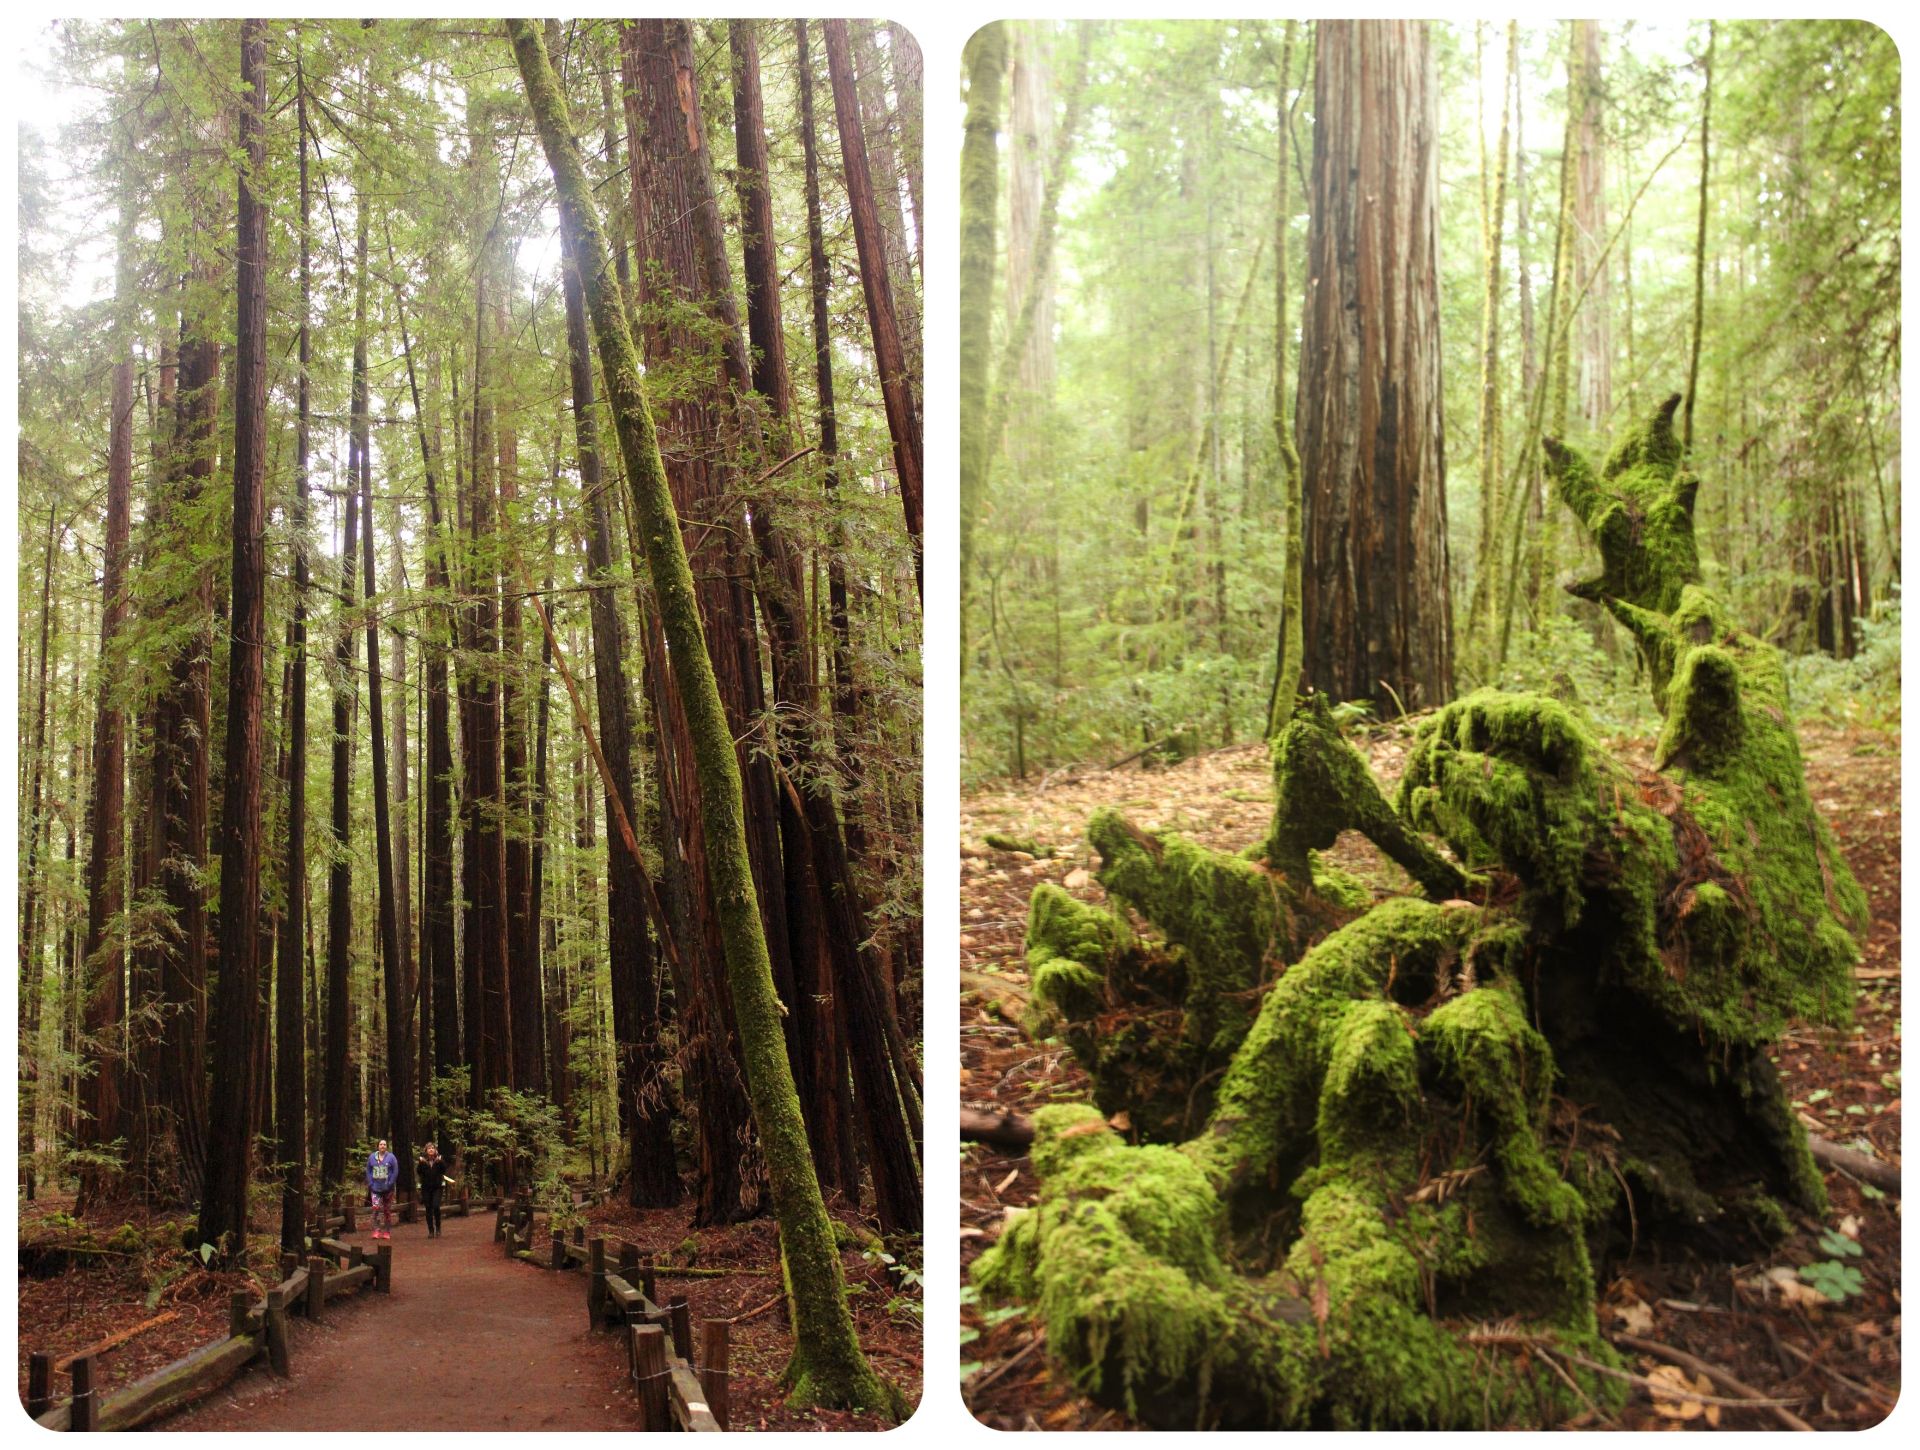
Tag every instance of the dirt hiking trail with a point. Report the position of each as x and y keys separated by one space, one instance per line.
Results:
x=468 y=1340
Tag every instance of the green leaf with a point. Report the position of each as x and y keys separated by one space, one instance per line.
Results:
x=1839 y=1245
x=1839 y=1282
x=206 y=1253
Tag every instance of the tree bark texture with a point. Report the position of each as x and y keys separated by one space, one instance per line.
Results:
x=1377 y=617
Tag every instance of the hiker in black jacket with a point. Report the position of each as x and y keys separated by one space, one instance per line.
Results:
x=432 y=1172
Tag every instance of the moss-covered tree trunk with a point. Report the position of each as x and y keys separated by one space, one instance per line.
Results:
x=828 y=1366
x=1373 y=1170
x=986 y=62
x=1292 y=644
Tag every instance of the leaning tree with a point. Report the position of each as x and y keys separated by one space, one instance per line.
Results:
x=1379 y=1148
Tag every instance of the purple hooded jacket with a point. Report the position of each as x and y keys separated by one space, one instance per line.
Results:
x=383 y=1173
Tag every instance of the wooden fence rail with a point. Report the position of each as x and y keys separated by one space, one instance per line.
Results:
x=256 y=1330
x=673 y=1390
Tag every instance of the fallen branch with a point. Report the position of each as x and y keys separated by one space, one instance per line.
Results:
x=756 y=1311
x=1665 y=1391
x=996 y=988
x=999 y=1370
x=116 y=1339
x=1714 y=1373
x=1002 y=1130
x=671 y=1271
x=1129 y=759
x=1828 y=1154
x=1879 y=1397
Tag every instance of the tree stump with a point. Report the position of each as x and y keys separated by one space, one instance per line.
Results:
x=1375 y=1151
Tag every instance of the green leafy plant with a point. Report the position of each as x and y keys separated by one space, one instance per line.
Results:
x=1839 y=1282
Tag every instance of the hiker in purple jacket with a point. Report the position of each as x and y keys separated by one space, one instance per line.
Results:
x=383 y=1177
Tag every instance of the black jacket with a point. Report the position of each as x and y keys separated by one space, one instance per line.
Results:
x=431 y=1174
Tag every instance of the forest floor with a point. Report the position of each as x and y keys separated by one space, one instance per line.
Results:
x=1839 y=1363
x=468 y=1339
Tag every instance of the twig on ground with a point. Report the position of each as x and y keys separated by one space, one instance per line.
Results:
x=1714 y=1373
x=1879 y=1397
x=1000 y=1369
x=1671 y=1392
x=756 y=1311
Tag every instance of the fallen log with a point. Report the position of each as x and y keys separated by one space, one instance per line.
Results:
x=1828 y=1154
x=1002 y=1130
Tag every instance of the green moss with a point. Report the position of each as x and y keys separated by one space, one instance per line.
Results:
x=1639 y=513
x=1271 y=1094
x=1069 y=948
x=1119 y=1260
x=1322 y=787
x=1024 y=844
x=1340 y=889
x=1518 y=779
x=1221 y=907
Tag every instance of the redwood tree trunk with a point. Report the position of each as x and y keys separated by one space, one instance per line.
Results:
x=290 y=1052
x=662 y=114
x=333 y=1138
x=645 y=1095
x=175 y=835
x=896 y=382
x=1378 y=622
x=223 y=1207
x=393 y=969
x=102 y=966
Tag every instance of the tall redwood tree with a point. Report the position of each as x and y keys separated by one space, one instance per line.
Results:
x=1378 y=621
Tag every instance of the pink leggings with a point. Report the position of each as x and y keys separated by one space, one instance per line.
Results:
x=383 y=1211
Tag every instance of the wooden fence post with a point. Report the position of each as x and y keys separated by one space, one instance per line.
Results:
x=278 y=1352
x=86 y=1409
x=356 y=1255
x=316 y=1287
x=39 y=1385
x=383 y=1269
x=580 y=1233
x=500 y=1223
x=650 y=1374
x=630 y=1264
x=596 y=1280
x=682 y=1320
x=649 y=1286
x=715 y=1337
x=238 y=1302
x=559 y=1249
x=346 y=1213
